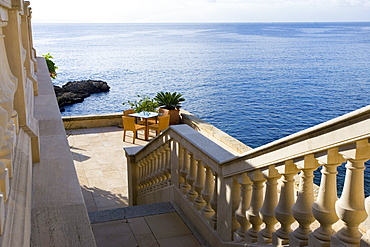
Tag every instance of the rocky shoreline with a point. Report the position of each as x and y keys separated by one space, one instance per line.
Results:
x=76 y=91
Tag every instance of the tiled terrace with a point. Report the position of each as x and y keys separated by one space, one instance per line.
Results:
x=101 y=167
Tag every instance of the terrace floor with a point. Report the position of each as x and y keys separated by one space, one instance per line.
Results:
x=101 y=168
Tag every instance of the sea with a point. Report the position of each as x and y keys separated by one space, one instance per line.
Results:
x=258 y=82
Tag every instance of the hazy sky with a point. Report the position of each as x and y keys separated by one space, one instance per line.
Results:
x=200 y=10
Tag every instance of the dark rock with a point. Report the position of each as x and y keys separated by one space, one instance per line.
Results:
x=76 y=91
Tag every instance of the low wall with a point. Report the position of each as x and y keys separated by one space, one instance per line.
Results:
x=92 y=121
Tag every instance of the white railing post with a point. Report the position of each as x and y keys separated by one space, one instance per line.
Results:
x=225 y=208
x=283 y=211
x=207 y=193
x=245 y=200
x=257 y=200
x=216 y=189
x=132 y=173
x=185 y=186
x=174 y=163
x=302 y=209
x=199 y=202
x=267 y=212
x=324 y=207
x=167 y=165
x=177 y=162
x=351 y=205
x=190 y=178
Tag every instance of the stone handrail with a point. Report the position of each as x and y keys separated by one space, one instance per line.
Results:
x=252 y=198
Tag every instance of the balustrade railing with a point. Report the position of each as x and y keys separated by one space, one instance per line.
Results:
x=252 y=199
x=18 y=86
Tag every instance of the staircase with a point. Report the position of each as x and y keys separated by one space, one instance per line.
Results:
x=252 y=199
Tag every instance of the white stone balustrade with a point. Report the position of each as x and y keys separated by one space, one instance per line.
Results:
x=251 y=199
x=17 y=56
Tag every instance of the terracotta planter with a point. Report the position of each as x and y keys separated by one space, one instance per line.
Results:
x=174 y=115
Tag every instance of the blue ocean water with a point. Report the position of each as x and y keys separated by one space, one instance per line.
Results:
x=257 y=82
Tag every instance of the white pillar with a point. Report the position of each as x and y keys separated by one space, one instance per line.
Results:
x=190 y=178
x=302 y=209
x=213 y=219
x=267 y=212
x=324 y=207
x=283 y=210
x=253 y=212
x=199 y=202
x=185 y=186
x=351 y=205
x=207 y=193
x=245 y=200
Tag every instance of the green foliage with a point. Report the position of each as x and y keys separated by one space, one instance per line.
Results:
x=169 y=101
x=51 y=65
x=145 y=103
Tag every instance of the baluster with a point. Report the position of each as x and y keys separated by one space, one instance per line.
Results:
x=256 y=202
x=267 y=212
x=213 y=220
x=351 y=207
x=198 y=186
x=145 y=179
x=147 y=173
x=163 y=164
x=181 y=164
x=158 y=172
x=139 y=176
x=283 y=210
x=185 y=187
x=324 y=207
x=142 y=176
x=245 y=200
x=302 y=209
x=4 y=181
x=167 y=165
x=207 y=194
x=156 y=169
x=150 y=172
x=190 y=178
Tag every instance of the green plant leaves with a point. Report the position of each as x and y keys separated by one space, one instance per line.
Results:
x=51 y=65
x=169 y=100
x=145 y=103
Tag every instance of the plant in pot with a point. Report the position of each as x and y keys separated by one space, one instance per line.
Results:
x=145 y=103
x=171 y=102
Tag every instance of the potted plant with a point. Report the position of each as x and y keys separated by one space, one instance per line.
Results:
x=145 y=103
x=172 y=103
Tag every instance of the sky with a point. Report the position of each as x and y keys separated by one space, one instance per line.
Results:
x=153 y=11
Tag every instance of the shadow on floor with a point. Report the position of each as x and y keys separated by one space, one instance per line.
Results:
x=97 y=199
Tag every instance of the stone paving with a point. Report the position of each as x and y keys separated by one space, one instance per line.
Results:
x=101 y=168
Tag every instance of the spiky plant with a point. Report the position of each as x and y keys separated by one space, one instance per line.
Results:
x=169 y=101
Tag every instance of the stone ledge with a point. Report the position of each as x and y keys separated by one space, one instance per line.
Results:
x=92 y=121
x=59 y=215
